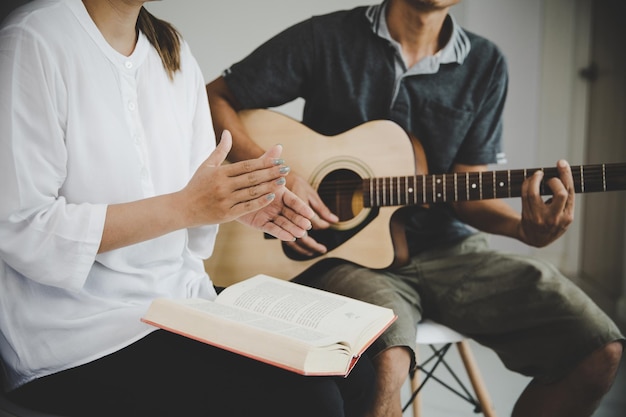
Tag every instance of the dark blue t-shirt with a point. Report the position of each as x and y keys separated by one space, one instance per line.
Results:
x=345 y=73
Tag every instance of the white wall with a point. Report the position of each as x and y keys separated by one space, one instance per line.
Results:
x=222 y=32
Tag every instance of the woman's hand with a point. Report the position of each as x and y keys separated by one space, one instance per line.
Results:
x=286 y=217
x=251 y=191
x=220 y=193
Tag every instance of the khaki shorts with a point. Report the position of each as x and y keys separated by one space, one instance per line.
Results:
x=538 y=322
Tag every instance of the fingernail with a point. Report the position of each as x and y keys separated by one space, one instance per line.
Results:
x=281 y=181
x=270 y=196
x=278 y=161
x=284 y=170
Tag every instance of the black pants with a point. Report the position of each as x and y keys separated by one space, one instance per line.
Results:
x=168 y=375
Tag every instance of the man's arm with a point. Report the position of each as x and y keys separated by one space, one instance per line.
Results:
x=540 y=222
x=224 y=107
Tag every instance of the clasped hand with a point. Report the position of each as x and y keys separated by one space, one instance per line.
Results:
x=251 y=191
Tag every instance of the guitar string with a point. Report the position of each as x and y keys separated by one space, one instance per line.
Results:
x=591 y=174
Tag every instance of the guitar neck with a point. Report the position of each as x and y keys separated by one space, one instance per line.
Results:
x=468 y=186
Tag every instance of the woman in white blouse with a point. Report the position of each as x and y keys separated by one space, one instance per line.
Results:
x=112 y=188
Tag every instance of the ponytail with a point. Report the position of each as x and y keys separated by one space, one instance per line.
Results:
x=165 y=39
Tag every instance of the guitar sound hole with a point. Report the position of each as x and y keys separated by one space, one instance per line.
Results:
x=341 y=191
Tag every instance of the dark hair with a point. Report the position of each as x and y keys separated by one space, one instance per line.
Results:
x=165 y=39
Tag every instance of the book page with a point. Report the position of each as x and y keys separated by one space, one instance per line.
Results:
x=309 y=307
x=262 y=322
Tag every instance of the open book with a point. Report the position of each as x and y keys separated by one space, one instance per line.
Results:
x=302 y=329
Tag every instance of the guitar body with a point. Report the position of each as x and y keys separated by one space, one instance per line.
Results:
x=363 y=176
x=335 y=167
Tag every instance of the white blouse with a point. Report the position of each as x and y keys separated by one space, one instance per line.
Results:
x=82 y=126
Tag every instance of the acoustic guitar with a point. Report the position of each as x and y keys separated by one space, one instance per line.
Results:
x=367 y=176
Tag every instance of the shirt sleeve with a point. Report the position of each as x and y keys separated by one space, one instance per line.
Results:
x=42 y=236
x=277 y=72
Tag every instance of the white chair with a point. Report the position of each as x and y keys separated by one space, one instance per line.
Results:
x=440 y=338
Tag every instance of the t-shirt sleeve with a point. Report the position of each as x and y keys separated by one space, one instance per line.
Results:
x=277 y=71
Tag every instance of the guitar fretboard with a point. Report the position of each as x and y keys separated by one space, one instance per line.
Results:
x=467 y=186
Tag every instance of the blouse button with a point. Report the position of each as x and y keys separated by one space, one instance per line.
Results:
x=128 y=64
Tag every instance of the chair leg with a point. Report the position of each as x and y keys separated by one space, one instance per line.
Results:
x=415 y=383
x=475 y=378
x=482 y=401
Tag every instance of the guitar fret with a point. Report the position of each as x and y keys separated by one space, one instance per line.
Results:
x=582 y=180
x=444 y=189
x=383 y=192
x=508 y=172
x=406 y=190
x=373 y=192
x=603 y=177
x=399 y=199
x=432 y=180
x=456 y=190
x=437 y=194
x=499 y=184
x=467 y=196
x=423 y=188
x=405 y=187
x=476 y=191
